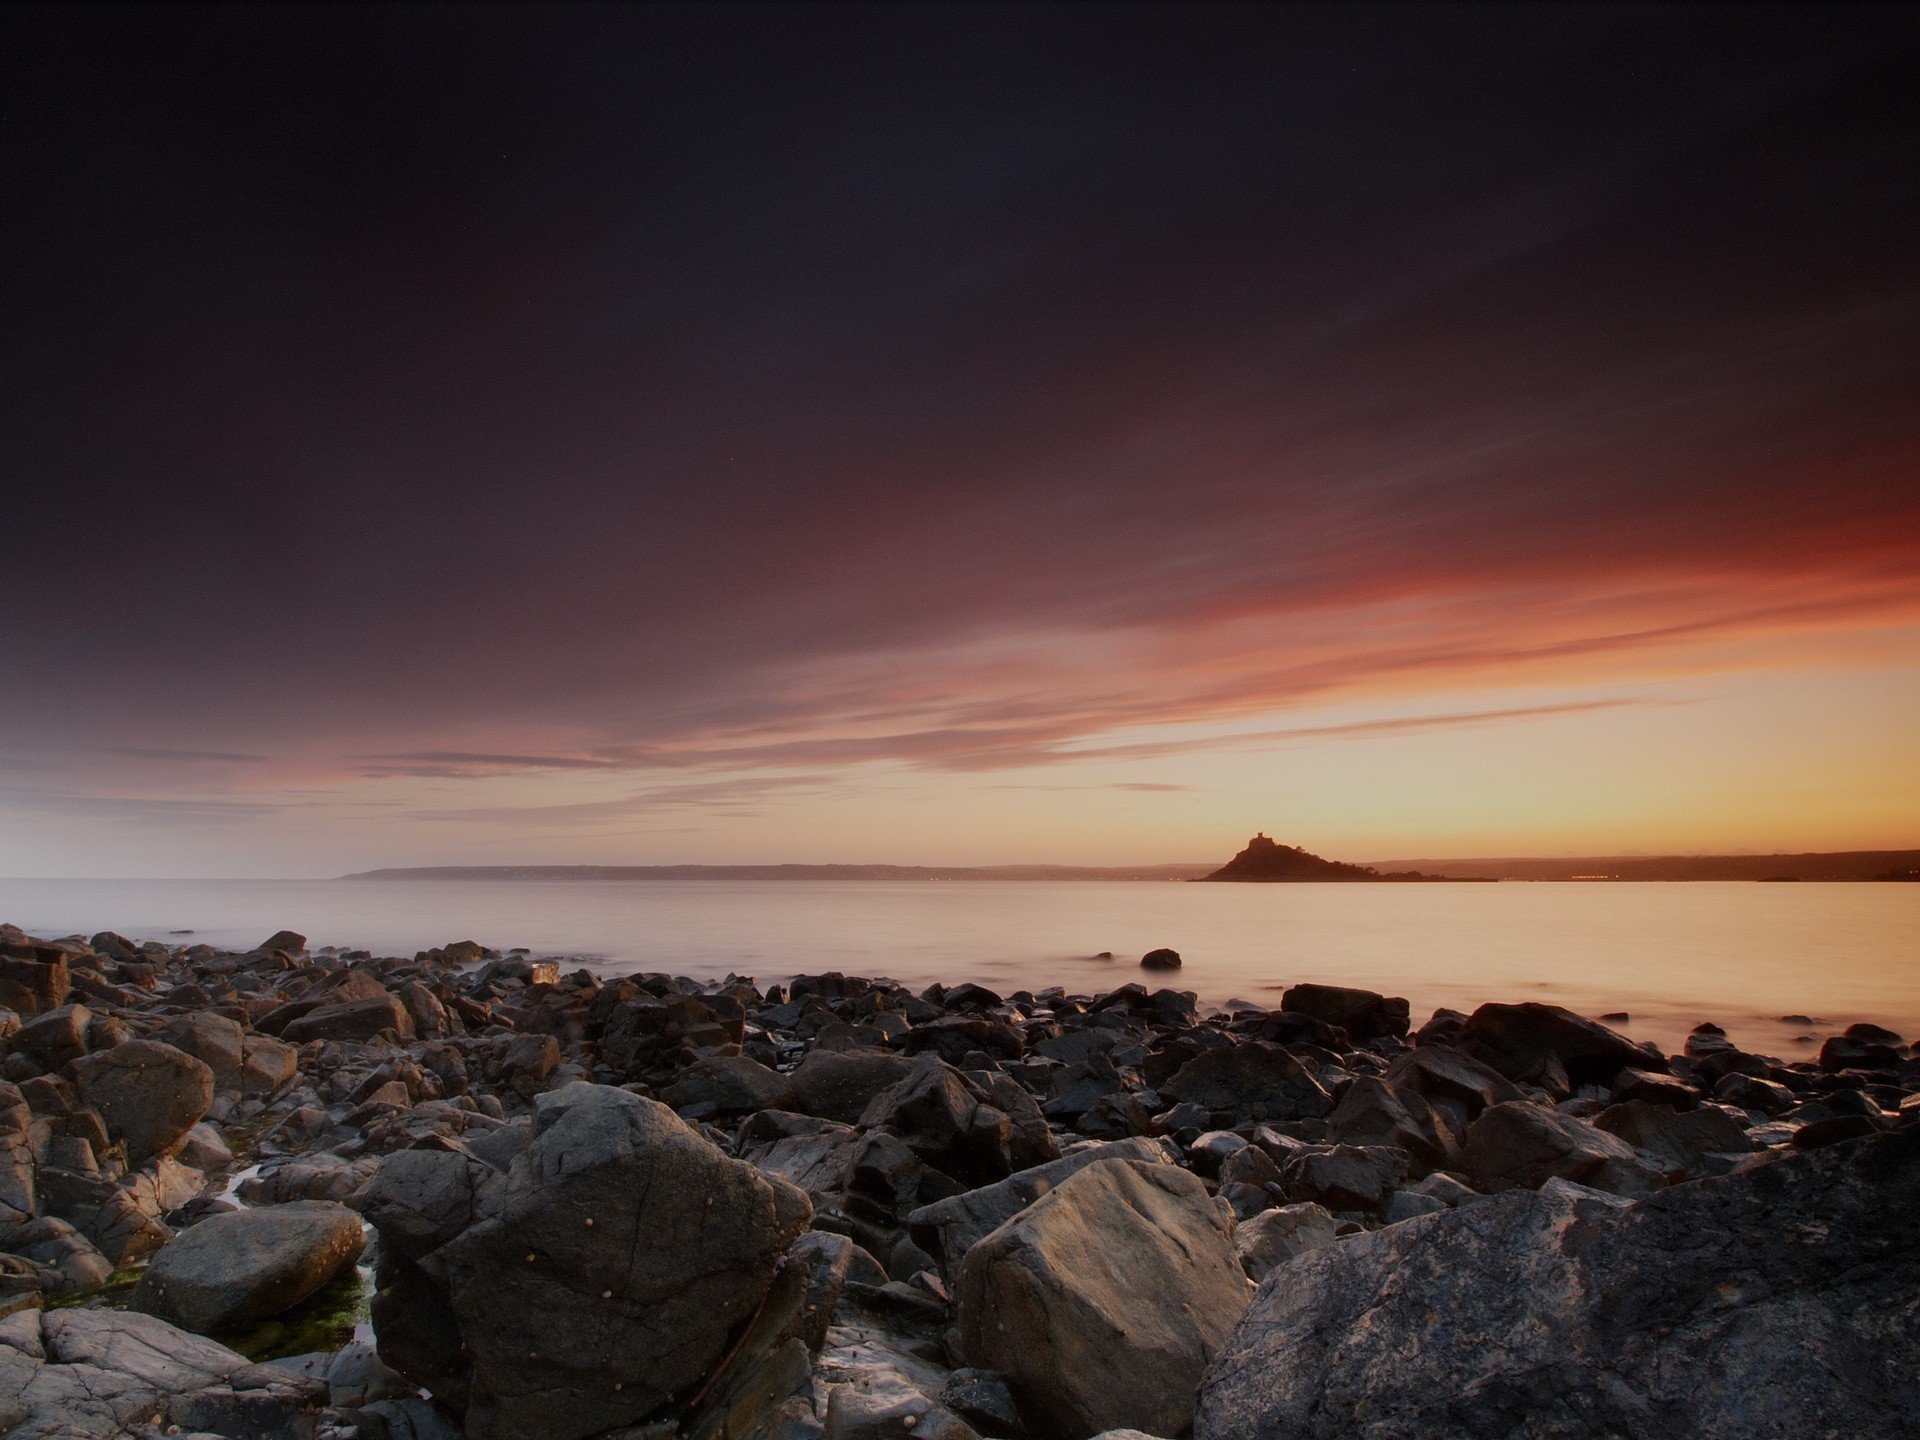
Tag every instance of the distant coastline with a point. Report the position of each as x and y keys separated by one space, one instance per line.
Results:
x=1844 y=865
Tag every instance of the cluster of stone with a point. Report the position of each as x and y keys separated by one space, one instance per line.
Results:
x=646 y=1207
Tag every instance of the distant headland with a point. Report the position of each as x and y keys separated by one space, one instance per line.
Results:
x=1262 y=860
x=1267 y=861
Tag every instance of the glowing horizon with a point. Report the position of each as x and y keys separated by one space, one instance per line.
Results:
x=1048 y=459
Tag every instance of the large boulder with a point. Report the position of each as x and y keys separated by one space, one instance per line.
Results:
x=1681 y=1143
x=948 y=1121
x=1103 y=1301
x=1363 y=1014
x=607 y=1277
x=149 y=1093
x=1552 y=1047
x=55 y=1037
x=355 y=1021
x=247 y=1265
x=1519 y=1144
x=1775 y=1303
x=840 y=1084
x=961 y=1221
x=1256 y=1078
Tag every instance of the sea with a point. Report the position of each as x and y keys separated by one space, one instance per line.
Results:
x=1753 y=958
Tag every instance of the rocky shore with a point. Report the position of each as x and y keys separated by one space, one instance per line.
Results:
x=310 y=1195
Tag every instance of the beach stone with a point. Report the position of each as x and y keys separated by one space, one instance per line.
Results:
x=247 y=1265
x=875 y=1403
x=148 y=1093
x=632 y=1308
x=290 y=941
x=728 y=1085
x=1254 y=1077
x=1654 y=1089
x=1346 y=1177
x=1525 y=1145
x=1372 y=1111
x=420 y=1199
x=266 y=1065
x=840 y=1084
x=947 y=1122
x=33 y=978
x=1552 y=1047
x=56 y=1036
x=17 y=1201
x=1363 y=1014
x=1273 y=1237
x=217 y=1040
x=1161 y=959
x=961 y=1221
x=355 y=1020
x=99 y=1374
x=1103 y=1301
x=1773 y=1303
x=1680 y=1143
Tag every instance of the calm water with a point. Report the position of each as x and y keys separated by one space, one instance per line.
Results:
x=1741 y=954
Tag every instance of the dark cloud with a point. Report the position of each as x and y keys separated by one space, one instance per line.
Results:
x=454 y=393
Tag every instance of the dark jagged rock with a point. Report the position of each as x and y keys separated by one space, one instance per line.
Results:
x=1772 y=1304
x=1551 y=1047
x=1363 y=1014
x=638 y=1244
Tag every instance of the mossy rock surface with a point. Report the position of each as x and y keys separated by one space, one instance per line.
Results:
x=111 y=1294
x=325 y=1320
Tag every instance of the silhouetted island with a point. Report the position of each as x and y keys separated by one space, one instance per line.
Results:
x=1266 y=860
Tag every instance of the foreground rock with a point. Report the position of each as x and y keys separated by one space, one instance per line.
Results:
x=79 y=1374
x=249 y=1264
x=1103 y=1301
x=618 y=1259
x=1771 y=1304
x=149 y=1094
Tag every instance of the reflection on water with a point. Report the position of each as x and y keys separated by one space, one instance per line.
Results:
x=1671 y=955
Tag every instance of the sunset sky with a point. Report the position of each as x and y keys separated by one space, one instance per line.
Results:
x=956 y=436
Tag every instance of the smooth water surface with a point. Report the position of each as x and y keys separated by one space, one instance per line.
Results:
x=1671 y=955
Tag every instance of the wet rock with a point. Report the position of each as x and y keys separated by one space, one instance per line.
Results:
x=727 y=1085
x=1373 y=1112
x=1273 y=1237
x=149 y=1094
x=1551 y=1047
x=962 y=1220
x=1680 y=1143
x=33 y=978
x=248 y=1265
x=1103 y=1301
x=288 y=941
x=354 y=1020
x=79 y=1374
x=1653 y=1088
x=1363 y=1014
x=1255 y=1078
x=1773 y=1302
x=1161 y=959
x=947 y=1121
x=1346 y=1177
x=839 y=1085
x=56 y=1036
x=1517 y=1144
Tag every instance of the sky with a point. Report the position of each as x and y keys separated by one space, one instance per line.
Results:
x=955 y=435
